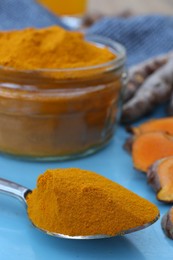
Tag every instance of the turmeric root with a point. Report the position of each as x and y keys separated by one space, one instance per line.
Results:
x=129 y=144
x=91 y=18
x=150 y=147
x=154 y=91
x=167 y=223
x=160 y=177
x=170 y=107
x=161 y=124
x=138 y=74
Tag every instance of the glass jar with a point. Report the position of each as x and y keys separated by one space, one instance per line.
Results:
x=61 y=113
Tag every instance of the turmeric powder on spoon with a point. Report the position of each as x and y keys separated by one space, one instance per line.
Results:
x=78 y=202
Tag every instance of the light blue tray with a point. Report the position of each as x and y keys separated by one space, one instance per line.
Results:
x=19 y=240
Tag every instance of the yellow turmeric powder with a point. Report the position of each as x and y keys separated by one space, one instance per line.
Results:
x=77 y=202
x=48 y=113
x=50 y=48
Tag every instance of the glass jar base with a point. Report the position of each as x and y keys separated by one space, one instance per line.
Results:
x=94 y=149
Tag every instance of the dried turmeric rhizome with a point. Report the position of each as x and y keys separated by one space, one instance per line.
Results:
x=77 y=202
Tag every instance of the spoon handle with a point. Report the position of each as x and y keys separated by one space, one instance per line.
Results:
x=14 y=189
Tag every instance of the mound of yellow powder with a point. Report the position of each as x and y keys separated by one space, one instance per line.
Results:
x=51 y=47
x=78 y=202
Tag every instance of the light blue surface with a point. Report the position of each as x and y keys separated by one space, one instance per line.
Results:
x=19 y=240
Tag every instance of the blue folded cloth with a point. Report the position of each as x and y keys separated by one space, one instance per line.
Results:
x=143 y=36
x=18 y=14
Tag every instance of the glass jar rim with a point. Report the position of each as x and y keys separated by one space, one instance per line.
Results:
x=116 y=47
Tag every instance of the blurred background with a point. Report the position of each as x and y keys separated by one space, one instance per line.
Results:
x=110 y=7
x=137 y=6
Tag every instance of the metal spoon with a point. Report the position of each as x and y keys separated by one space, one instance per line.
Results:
x=21 y=193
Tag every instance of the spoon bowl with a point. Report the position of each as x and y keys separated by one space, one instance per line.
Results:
x=21 y=192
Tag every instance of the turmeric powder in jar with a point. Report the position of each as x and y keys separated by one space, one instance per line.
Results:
x=59 y=92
